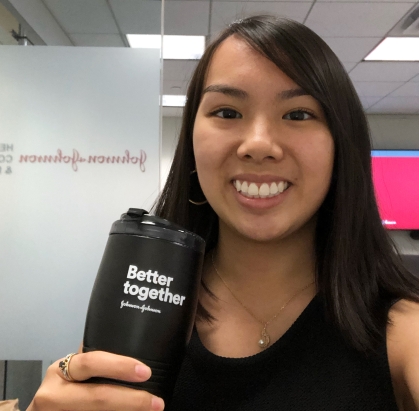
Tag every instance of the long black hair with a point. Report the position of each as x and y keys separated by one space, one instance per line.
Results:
x=358 y=267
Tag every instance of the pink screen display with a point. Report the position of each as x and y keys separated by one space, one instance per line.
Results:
x=396 y=183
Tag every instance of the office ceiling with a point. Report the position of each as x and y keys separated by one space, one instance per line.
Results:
x=352 y=28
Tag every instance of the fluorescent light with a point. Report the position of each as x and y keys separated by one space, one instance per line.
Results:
x=174 y=47
x=144 y=41
x=396 y=49
x=183 y=47
x=173 y=100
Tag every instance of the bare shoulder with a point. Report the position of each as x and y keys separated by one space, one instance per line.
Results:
x=403 y=353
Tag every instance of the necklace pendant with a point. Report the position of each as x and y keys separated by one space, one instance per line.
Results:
x=264 y=340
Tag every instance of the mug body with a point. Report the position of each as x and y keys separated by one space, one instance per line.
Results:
x=143 y=304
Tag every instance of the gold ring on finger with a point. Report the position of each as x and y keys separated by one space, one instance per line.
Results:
x=64 y=366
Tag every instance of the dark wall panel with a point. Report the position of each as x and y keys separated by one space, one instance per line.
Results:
x=2 y=370
x=412 y=263
x=23 y=379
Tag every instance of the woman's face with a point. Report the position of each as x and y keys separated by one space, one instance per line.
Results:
x=255 y=133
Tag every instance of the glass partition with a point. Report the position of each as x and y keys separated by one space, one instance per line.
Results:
x=80 y=122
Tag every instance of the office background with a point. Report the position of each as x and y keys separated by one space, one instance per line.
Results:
x=389 y=91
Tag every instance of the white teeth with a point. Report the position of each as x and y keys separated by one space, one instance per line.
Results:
x=273 y=189
x=251 y=190
x=264 y=190
x=281 y=186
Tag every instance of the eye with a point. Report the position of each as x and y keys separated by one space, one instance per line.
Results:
x=299 y=115
x=227 y=113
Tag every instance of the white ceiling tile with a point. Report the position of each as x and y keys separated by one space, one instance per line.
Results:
x=8 y=21
x=409 y=89
x=349 y=66
x=97 y=40
x=384 y=71
x=186 y=18
x=178 y=70
x=224 y=12
x=174 y=87
x=368 y=101
x=276 y=1
x=376 y=88
x=137 y=16
x=355 y=19
x=396 y=105
x=350 y=49
x=43 y=28
x=363 y=1
x=81 y=16
x=6 y=38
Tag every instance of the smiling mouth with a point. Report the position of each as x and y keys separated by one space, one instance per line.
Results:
x=260 y=190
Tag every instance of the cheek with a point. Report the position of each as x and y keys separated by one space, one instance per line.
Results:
x=316 y=161
x=214 y=160
x=202 y=148
x=319 y=155
x=320 y=168
x=211 y=146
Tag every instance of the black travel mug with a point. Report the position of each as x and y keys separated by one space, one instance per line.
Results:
x=145 y=296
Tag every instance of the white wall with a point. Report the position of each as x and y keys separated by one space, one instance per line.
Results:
x=394 y=131
x=387 y=132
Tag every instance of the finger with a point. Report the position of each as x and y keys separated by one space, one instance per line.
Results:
x=104 y=364
x=95 y=397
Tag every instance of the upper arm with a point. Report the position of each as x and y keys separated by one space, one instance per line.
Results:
x=403 y=353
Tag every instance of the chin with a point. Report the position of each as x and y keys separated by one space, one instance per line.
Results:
x=271 y=233
x=264 y=235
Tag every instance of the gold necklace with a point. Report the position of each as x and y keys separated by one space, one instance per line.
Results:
x=265 y=339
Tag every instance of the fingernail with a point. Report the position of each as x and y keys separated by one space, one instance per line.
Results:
x=157 y=404
x=143 y=371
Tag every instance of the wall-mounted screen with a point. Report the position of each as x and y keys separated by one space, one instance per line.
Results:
x=396 y=183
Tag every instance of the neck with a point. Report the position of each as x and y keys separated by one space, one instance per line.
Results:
x=255 y=270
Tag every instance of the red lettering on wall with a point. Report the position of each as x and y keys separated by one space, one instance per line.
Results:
x=75 y=159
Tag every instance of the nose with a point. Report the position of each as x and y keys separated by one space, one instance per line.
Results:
x=260 y=142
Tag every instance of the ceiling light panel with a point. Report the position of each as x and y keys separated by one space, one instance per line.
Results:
x=396 y=49
x=173 y=100
x=174 y=47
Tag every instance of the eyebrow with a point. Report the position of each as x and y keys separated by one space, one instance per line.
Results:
x=227 y=90
x=241 y=94
x=291 y=93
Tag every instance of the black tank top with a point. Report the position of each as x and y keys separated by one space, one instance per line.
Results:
x=310 y=368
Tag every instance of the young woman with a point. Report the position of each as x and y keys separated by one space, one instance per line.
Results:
x=305 y=303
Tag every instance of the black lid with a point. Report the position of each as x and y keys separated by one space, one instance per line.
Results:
x=136 y=222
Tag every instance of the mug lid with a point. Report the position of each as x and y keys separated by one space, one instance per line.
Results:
x=138 y=222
